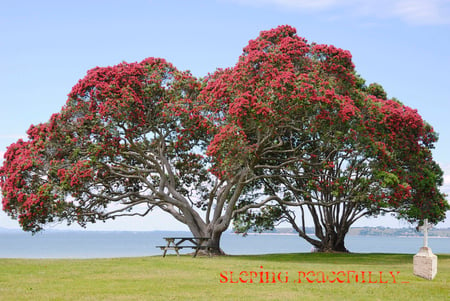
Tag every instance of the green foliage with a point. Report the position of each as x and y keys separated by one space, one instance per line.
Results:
x=387 y=179
x=257 y=220
x=377 y=91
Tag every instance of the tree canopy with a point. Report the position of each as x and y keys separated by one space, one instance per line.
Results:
x=338 y=148
x=290 y=127
x=130 y=138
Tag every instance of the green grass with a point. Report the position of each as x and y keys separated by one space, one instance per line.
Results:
x=187 y=278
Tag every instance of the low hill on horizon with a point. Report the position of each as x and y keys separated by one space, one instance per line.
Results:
x=375 y=231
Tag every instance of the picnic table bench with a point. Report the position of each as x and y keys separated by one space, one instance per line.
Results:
x=176 y=243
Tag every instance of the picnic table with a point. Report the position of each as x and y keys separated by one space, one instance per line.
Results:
x=176 y=243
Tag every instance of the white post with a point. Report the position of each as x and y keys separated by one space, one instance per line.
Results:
x=425 y=233
x=425 y=262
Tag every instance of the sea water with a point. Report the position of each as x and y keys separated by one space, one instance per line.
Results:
x=104 y=244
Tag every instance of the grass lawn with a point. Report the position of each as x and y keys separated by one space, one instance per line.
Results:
x=341 y=277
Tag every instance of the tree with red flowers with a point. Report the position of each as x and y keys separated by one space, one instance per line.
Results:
x=130 y=138
x=289 y=129
x=323 y=142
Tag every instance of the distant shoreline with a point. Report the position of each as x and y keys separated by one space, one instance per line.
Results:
x=370 y=231
x=357 y=231
x=312 y=234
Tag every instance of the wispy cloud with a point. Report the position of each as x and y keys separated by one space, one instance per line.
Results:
x=422 y=12
x=415 y=12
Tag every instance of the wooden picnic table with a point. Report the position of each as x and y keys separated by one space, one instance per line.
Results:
x=176 y=243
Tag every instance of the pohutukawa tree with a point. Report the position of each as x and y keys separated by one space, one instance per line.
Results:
x=290 y=128
x=130 y=138
x=334 y=147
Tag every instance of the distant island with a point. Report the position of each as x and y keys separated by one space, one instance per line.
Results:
x=386 y=231
x=374 y=231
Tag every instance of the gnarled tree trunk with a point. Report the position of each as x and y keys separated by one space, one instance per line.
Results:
x=329 y=234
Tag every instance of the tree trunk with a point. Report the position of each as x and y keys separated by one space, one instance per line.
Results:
x=214 y=243
x=332 y=242
x=328 y=239
x=214 y=232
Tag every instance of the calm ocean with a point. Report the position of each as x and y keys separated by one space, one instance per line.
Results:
x=93 y=244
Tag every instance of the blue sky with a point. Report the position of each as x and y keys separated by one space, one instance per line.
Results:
x=47 y=46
